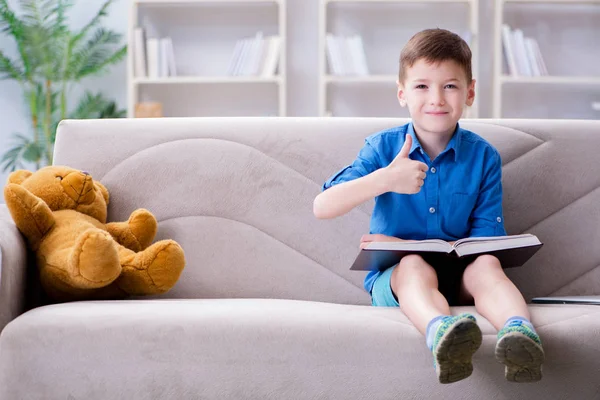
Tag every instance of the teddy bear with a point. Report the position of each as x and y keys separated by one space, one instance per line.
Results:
x=62 y=212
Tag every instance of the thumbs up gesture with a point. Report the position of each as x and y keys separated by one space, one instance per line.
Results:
x=403 y=175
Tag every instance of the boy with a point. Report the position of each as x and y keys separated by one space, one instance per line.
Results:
x=432 y=179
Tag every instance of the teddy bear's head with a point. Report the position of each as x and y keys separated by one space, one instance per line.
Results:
x=64 y=188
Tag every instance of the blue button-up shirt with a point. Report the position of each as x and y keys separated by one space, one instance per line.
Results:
x=461 y=197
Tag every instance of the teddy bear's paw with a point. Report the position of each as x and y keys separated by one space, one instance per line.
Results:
x=94 y=260
x=154 y=270
x=143 y=226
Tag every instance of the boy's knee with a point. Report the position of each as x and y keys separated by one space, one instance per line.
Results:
x=488 y=259
x=411 y=261
x=484 y=267
x=412 y=265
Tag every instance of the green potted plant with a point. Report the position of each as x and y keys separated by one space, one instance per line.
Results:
x=52 y=59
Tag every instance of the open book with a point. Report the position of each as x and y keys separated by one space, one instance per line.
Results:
x=512 y=251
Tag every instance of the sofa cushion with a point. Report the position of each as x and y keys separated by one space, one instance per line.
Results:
x=270 y=349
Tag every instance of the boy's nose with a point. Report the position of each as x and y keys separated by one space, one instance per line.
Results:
x=437 y=98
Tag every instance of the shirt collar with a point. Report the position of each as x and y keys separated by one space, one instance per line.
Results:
x=453 y=144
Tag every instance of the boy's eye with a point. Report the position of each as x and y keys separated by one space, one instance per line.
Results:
x=421 y=87
x=450 y=86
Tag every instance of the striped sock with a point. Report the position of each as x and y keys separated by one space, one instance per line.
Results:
x=432 y=328
x=516 y=320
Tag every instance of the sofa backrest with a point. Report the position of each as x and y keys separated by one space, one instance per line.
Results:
x=237 y=194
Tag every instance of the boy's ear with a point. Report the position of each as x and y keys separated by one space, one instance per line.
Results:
x=471 y=93
x=400 y=94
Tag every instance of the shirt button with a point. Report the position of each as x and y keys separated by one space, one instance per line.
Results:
x=433 y=170
x=499 y=219
x=432 y=210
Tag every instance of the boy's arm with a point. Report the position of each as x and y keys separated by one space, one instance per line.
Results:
x=402 y=175
x=487 y=218
x=341 y=198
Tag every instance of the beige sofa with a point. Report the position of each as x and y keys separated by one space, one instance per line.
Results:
x=266 y=307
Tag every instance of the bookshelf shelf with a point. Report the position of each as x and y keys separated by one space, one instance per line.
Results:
x=382 y=28
x=205 y=80
x=202 y=2
x=399 y=1
x=206 y=37
x=391 y=79
x=558 y=80
x=554 y=1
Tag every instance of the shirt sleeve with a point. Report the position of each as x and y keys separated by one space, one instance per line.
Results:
x=366 y=162
x=487 y=218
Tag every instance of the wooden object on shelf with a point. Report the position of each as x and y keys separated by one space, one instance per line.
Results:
x=148 y=110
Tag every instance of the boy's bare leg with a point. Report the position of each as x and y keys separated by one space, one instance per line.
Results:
x=519 y=347
x=415 y=284
x=496 y=297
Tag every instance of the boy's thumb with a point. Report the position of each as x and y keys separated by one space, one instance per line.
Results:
x=405 y=150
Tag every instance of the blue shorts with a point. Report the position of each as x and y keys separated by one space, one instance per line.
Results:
x=382 y=295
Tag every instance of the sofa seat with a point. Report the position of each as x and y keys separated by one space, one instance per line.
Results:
x=267 y=348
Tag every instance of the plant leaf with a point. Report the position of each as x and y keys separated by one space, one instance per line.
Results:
x=75 y=39
x=15 y=27
x=10 y=69
x=111 y=111
x=89 y=106
x=96 y=54
x=23 y=149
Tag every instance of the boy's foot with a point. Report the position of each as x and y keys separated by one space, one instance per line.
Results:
x=455 y=342
x=519 y=348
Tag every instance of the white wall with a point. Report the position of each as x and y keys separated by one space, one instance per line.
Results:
x=302 y=64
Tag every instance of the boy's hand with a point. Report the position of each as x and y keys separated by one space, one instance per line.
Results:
x=376 y=237
x=403 y=175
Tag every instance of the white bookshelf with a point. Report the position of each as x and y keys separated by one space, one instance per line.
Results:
x=567 y=32
x=204 y=34
x=384 y=26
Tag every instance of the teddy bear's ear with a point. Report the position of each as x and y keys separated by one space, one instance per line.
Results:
x=103 y=190
x=19 y=176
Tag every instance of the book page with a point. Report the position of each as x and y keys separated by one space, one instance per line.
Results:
x=435 y=245
x=490 y=244
x=490 y=239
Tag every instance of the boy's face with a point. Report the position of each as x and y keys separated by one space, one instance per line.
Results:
x=436 y=95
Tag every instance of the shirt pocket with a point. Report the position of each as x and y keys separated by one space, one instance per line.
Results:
x=458 y=216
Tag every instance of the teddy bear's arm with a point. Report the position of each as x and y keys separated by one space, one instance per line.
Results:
x=137 y=233
x=31 y=214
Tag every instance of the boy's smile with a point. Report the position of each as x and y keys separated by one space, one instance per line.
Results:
x=436 y=95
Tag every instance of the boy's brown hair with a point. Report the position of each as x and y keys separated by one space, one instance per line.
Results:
x=436 y=45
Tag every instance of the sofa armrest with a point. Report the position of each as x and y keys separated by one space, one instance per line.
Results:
x=13 y=269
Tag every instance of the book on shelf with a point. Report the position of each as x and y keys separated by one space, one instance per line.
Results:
x=256 y=56
x=346 y=55
x=153 y=57
x=522 y=54
x=139 y=53
x=512 y=251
